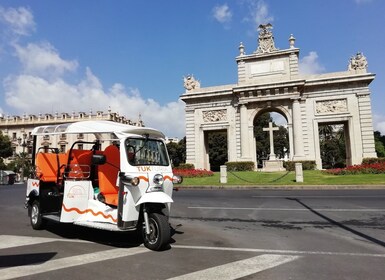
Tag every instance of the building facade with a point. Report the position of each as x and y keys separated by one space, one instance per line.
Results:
x=19 y=128
x=269 y=81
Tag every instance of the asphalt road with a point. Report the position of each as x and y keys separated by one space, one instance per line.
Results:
x=218 y=234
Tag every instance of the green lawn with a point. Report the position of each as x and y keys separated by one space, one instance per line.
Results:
x=311 y=177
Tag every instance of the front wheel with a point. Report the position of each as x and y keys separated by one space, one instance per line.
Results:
x=37 y=221
x=160 y=233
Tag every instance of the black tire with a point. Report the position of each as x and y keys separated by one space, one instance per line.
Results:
x=160 y=232
x=37 y=221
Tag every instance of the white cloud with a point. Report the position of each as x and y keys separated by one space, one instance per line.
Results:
x=43 y=59
x=19 y=20
x=34 y=95
x=222 y=13
x=309 y=64
x=258 y=13
x=379 y=123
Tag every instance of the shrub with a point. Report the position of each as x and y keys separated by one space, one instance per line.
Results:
x=185 y=166
x=374 y=168
x=373 y=160
x=240 y=166
x=191 y=173
x=306 y=165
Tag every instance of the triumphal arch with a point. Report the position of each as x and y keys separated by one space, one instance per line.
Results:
x=269 y=81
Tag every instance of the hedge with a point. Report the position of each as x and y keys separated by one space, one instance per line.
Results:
x=185 y=166
x=306 y=165
x=373 y=160
x=240 y=165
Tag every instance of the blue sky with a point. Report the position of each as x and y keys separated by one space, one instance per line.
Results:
x=131 y=56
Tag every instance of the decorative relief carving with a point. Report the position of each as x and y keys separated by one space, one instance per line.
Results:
x=214 y=116
x=332 y=106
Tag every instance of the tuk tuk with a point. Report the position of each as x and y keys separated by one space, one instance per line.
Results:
x=125 y=186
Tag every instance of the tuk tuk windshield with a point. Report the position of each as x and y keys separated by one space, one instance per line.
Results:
x=144 y=151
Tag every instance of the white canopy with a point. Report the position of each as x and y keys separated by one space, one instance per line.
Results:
x=97 y=128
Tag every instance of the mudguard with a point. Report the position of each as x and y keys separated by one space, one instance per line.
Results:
x=154 y=197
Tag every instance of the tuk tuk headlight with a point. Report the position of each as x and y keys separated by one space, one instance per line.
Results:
x=158 y=179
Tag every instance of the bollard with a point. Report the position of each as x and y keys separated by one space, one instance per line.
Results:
x=223 y=179
x=298 y=172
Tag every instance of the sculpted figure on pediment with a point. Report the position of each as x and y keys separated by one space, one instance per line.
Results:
x=265 y=39
x=190 y=83
x=358 y=62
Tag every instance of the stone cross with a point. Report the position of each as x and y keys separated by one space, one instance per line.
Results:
x=270 y=129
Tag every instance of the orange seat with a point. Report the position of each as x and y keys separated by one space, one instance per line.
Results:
x=48 y=165
x=79 y=164
x=108 y=174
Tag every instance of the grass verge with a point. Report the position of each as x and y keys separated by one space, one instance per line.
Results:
x=311 y=177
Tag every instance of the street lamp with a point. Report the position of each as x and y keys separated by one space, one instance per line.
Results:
x=24 y=144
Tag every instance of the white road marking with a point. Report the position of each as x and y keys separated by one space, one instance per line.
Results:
x=289 y=209
x=272 y=251
x=238 y=269
x=27 y=270
x=9 y=241
x=318 y=196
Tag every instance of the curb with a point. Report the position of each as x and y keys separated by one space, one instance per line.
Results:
x=282 y=187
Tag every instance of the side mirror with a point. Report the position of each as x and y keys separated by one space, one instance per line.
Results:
x=98 y=159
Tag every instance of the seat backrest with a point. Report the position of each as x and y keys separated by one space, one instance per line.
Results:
x=47 y=166
x=108 y=172
x=79 y=164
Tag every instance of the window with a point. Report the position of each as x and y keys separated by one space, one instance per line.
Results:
x=62 y=148
x=142 y=151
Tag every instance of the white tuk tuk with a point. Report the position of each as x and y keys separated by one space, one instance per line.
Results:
x=125 y=186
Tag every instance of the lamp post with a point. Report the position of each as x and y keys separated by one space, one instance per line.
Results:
x=22 y=142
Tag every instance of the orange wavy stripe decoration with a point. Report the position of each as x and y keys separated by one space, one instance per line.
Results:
x=167 y=178
x=143 y=178
x=89 y=211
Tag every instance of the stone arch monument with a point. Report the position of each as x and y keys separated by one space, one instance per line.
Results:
x=269 y=79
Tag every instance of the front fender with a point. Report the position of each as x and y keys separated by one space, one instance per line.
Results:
x=154 y=197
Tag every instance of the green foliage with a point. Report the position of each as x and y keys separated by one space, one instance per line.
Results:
x=379 y=144
x=332 y=145
x=373 y=160
x=185 y=166
x=5 y=146
x=306 y=165
x=177 y=152
x=240 y=166
x=217 y=142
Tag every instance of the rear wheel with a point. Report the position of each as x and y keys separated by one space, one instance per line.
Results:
x=37 y=221
x=160 y=233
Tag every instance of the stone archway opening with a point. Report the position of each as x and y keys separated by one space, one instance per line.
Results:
x=334 y=144
x=217 y=148
x=271 y=124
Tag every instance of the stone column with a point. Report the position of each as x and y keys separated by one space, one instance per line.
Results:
x=245 y=151
x=297 y=131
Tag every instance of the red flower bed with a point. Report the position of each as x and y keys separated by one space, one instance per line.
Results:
x=191 y=173
x=374 y=168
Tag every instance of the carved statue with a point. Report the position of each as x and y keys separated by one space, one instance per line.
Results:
x=358 y=62
x=265 y=39
x=190 y=83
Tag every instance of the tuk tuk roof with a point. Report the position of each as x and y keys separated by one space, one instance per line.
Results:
x=97 y=128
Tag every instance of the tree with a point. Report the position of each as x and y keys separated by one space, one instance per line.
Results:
x=332 y=145
x=379 y=141
x=217 y=142
x=177 y=152
x=5 y=146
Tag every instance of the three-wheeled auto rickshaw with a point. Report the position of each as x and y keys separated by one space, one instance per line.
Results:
x=121 y=180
